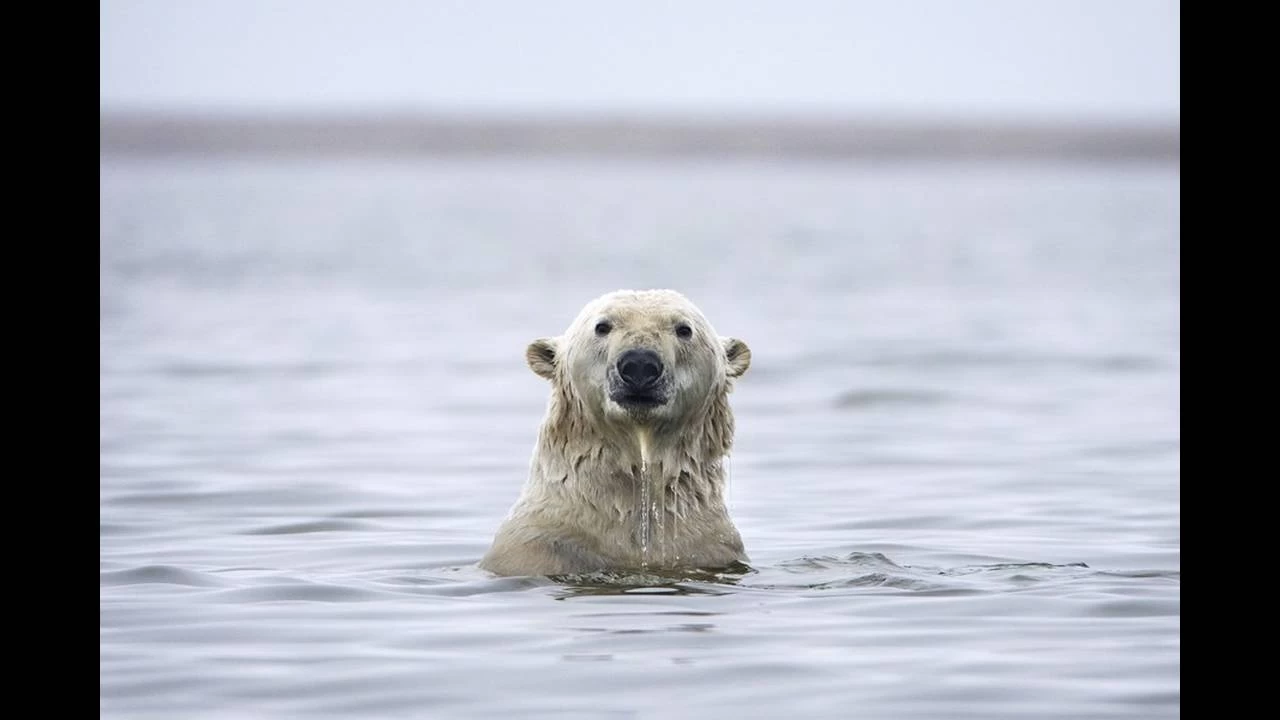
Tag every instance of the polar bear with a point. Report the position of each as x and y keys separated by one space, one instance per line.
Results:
x=628 y=472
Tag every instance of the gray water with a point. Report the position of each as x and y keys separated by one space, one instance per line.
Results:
x=956 y=469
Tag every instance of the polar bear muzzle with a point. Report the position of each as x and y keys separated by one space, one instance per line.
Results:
x=636 y=379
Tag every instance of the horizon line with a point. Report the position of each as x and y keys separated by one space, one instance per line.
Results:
x=168 y=131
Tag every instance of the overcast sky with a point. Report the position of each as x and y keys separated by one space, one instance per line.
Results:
x=1105 y=59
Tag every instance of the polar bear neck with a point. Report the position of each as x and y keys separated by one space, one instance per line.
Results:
x=604 y=467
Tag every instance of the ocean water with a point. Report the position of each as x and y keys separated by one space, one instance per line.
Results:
x=956 y=469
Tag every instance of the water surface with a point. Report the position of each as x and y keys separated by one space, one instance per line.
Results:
x=956 y=469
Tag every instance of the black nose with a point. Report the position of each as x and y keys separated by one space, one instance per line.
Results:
x=640 y=368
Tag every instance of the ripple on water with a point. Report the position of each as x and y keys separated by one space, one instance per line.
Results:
x=874 y=398
x=160 y=575
x=298 y=592
x=875 y=572
x=317 y=526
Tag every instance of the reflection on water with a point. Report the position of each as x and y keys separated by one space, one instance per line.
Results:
x=956 y=469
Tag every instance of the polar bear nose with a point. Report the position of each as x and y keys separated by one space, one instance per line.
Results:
x=640 y=368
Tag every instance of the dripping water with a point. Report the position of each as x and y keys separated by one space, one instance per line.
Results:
x=675 y=519
x=660 y=514
x=646 y=499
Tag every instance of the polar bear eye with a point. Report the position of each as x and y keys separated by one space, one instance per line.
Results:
x=684 y=332
x=603 y=328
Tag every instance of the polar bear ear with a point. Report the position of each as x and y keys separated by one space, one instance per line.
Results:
x=541 y=356
x=738 y=354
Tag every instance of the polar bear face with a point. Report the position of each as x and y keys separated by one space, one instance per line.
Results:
x=642 y=358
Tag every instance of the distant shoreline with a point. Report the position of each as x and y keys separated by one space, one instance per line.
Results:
x=157 y=134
